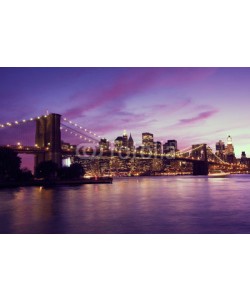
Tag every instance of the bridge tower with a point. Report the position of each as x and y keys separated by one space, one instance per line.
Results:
x=200 y=167
x=48 y=135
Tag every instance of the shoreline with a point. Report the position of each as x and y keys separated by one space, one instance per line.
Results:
x=55 y=183
x=77 y=182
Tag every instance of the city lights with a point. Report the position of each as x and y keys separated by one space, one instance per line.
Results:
x=154 y=151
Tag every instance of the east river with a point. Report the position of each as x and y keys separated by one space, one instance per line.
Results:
x=178 y=204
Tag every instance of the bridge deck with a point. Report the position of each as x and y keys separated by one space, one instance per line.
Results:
x=106 y=154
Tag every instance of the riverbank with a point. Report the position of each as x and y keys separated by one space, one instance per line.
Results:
x=52 y=183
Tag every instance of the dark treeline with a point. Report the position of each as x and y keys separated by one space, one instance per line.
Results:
x=50 y=170
x=10 y=169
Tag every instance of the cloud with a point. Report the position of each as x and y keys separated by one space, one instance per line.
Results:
x=119 y=121
x=73 y=112
x=200 y=117
x=172 y=107
x=133 y=81
x=123 y=86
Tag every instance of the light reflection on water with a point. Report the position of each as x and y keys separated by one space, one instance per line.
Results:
x=131 y=205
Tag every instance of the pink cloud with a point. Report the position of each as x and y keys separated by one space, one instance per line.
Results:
x=122 y=87
x=202 y=116
x=139 y=81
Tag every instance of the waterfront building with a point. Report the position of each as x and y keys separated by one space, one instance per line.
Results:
x=119 y=166
x=121 y=142
x=104 y=166
x=148 y=141
x=116 y=166
x=67 y=161
x=143 y=166
x=139 y=150
x=89 y=165
x=67 y=147
x=220 y=146
x=170 y=146
x=118 y=143
x=157 y=165
x=95 y=166
x=220 y=150
x=243 y=159
x=89 y=150
x=157 y=148
x=172 y=143
x=104 y=145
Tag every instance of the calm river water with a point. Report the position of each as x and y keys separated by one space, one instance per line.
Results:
x=131 y=205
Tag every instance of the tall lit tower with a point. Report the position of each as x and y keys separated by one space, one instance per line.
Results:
x=230 y=147
x=125 y=139
x=230 y=150
x=229 y=140
x=148 y=142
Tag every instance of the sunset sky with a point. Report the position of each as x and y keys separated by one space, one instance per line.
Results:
x=192 y=105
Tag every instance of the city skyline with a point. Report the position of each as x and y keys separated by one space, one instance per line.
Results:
x=191 y=105
x=84 y=223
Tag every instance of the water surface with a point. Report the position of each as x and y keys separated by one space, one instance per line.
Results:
x=131 y=205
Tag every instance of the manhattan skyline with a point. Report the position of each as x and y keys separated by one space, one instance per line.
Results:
x=191 y=105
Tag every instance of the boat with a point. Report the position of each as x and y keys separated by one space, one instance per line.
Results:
x=218 y=174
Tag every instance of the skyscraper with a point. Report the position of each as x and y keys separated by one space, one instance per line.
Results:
x=118 y=143
x=170 y=146
x=104 y=144
x=125 y=140
x=230 y=155
x=243 y=159
x=148 y=141
x=131 y=143
x=220 y=149
x=157 y=148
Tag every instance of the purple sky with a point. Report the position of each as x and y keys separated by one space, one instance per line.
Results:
x=192 y=105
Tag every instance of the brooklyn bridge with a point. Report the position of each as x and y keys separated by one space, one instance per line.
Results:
x=49 y=146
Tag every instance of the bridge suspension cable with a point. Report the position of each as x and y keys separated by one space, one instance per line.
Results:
x=78 y=134
x=190 y=149
x=222 y=161
x=182 y=151
x=16 y=123
x=82 y=128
